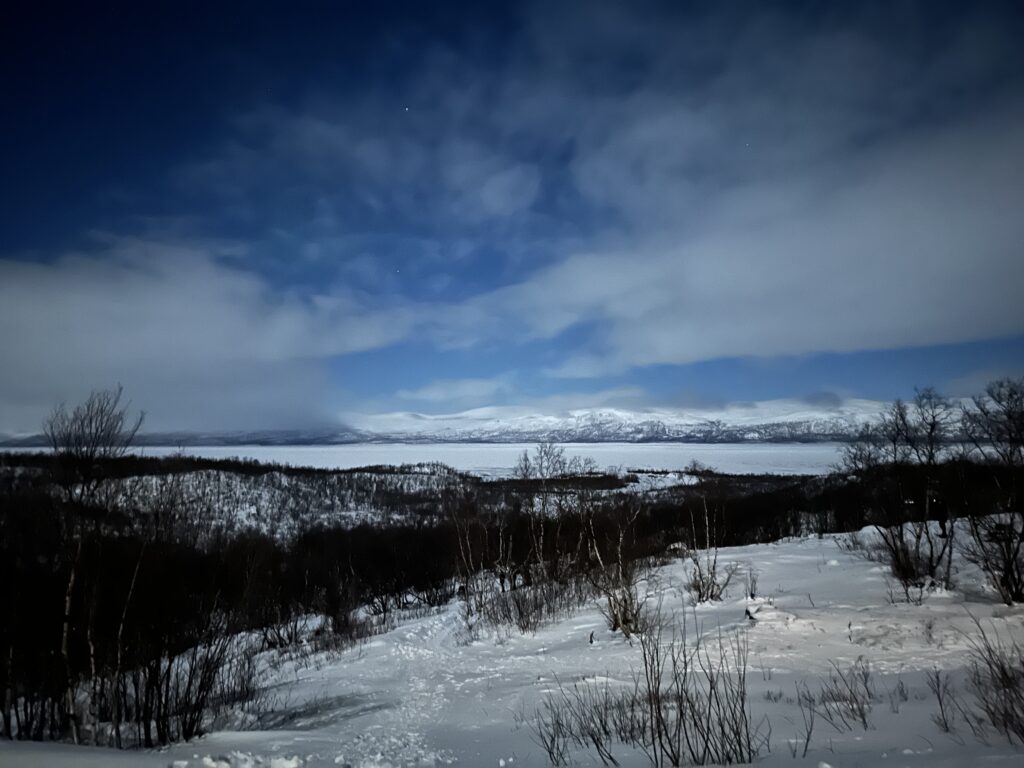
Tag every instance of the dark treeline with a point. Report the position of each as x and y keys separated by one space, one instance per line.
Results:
x=133 y=624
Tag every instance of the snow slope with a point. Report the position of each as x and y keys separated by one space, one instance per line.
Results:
x=423 y=695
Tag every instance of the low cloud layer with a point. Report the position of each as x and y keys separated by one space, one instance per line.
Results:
x=195 y=342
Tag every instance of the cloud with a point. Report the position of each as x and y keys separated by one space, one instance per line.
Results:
x=975 y=382
x=621 y=188
x=823 y=399
x=418 y=170
x=740 y=184
x=852 y=193
x=199 y=343
x=456 y=395
x=514 y=404
x=609 y=397
x=917 y=246
x=455 y=392
x=484 y=184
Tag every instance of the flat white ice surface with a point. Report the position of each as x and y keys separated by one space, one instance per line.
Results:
x=498 y=459
x=421 y=695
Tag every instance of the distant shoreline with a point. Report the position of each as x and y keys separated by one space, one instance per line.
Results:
x=498 y=459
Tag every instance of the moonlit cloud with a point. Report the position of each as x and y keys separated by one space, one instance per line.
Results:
x=195 y=340
x=465 y=392
x=917 y=246
x=789 y=205
x=466 y=405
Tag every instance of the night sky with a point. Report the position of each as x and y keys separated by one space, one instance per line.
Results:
x=274 y=215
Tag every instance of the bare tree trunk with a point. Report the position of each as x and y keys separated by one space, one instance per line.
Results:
x=69 y=694
x=94 y=701
x=118 y=697
x=9 y=695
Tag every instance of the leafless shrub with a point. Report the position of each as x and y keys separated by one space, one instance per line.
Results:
x=617 y=577
x=285 y=633
x=469 y=629
x=528 y=608
x=708 y=581
x=438 y=594
x=996 y=677
x=688 y=705
x=898 y=695
x=995 y=427
x=238 y=680
x=708 y=578
x=941 y=685
x=751 y=583
x=96 y=430
x=929 y=631
x=623 y=606
x=916 y=556
x=851 y=542
x=550 y=731
x=900 y=456
x=196 y=680
x=808 y=714
x=845 y=700
x=996 y=545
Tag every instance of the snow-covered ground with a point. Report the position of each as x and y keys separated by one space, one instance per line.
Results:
x=422 y=694
x=498 y=459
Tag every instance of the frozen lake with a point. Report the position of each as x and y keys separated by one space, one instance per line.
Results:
x=497 y=459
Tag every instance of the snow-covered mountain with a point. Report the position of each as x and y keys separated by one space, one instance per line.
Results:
x=777 y=420
x=767 y=421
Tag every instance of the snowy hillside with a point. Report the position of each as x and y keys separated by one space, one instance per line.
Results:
x=427 y=694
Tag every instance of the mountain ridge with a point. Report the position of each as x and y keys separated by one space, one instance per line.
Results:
x=767 y=421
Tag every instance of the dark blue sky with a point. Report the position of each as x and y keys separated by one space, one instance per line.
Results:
x=279 y=214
